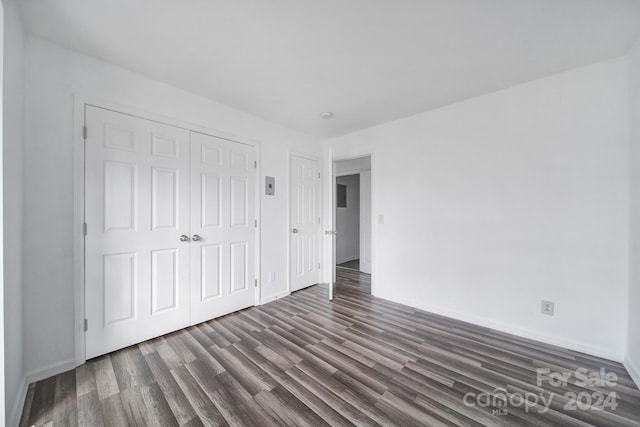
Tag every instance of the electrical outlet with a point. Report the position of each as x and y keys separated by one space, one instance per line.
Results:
x=547 y=307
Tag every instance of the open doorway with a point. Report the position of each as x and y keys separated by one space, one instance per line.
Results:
x=352 y=213
x=348 y=221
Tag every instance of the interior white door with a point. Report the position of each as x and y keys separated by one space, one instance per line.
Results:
x=365 y=221
x=305 y=222
x=223 y=226
x=170 y=229
x=136 y=209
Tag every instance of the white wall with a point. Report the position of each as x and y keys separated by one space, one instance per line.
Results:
x=2 y=300
x=489 y=205
x=493 y=204
x=13 y=95
x=348 y=221
x=352 y=165
x=53 y=75
x=633 y=346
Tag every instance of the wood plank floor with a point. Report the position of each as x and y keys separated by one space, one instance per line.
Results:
x=303 y=361
x=353 y=264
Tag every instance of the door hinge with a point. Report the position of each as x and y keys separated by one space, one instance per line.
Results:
x=86 y=325
x=319 y=221
x=318 y=266
x=84 y=132
x=84 y=228
x=256 y=283
x=318 y=174
x=255 y=222
x=255 y=164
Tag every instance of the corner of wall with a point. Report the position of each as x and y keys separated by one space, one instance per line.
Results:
x=12 y=199
x=49 y=371
x=632 y=359
x=15 y=413
x=267 y=300
x=633 y=369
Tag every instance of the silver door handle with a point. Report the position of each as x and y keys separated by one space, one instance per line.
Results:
x=330 y=232
x=184 y=238
x=294 y=231
x=196 y=238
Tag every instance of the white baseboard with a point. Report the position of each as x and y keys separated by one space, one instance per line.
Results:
x=524 y=333
x=633 y=369
x=18 y=403
x=51 y=370
x=353 y=258
x=32 y=377
x=272 y=298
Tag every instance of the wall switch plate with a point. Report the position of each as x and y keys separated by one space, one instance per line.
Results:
x=269 y=185
x=547 y=308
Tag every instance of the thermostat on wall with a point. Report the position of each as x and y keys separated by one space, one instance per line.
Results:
x=269 y=185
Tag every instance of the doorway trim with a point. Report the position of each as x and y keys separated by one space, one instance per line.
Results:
x=80 y=101
x=331 y=220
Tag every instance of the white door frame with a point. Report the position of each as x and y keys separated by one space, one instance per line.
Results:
x=331 y=220
x=80 y=101
x=289 y=226
x=15 y=400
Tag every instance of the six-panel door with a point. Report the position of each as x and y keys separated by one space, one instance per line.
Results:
x=305 y=222
x=223 y=219
x=149 y=188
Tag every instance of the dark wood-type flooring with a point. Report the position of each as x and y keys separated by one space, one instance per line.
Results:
x=303 y=361
x=354 y=264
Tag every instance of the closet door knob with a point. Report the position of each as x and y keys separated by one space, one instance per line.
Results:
x=184 y=238
x=196 y=238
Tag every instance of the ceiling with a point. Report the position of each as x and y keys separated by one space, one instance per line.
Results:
x=367 y=61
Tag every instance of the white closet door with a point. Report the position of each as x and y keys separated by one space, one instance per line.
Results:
x=305 y=222
x=136 y=209
x=223 y=227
